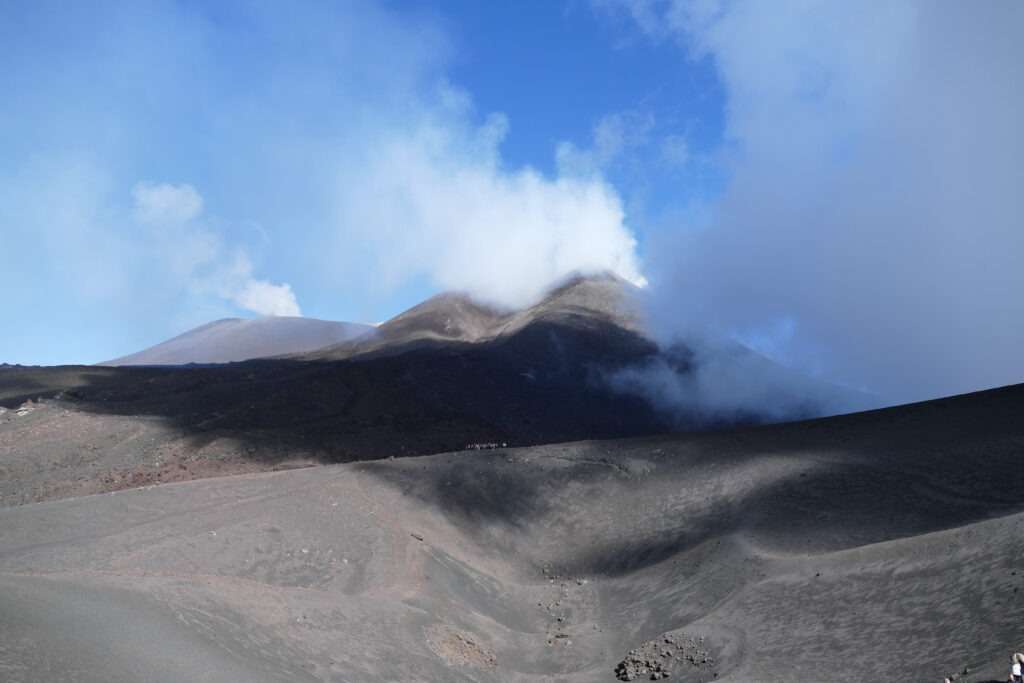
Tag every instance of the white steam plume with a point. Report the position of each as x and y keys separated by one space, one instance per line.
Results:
x=437 y=202
x=875 y=200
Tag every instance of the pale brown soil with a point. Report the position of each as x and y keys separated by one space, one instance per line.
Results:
x=457 y=648
x=53 y=450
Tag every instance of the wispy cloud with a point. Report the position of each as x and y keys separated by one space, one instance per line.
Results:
x=197 y=255
x=613 y=136
x=675 y=150
x=166 y=203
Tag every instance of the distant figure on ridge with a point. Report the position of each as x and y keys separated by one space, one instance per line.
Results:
x=1015 y=670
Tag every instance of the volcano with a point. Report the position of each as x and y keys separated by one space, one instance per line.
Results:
x=237 y=339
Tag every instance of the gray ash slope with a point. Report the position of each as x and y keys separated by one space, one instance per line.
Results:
x=882 y=546
x=236 y=339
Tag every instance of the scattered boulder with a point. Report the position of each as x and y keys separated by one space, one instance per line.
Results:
x=659 y=658
x=487 y=446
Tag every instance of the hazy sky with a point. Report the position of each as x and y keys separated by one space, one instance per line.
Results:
x=837 y=184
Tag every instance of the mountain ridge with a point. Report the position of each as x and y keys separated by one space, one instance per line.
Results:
x=230 y=340
x=457 y=317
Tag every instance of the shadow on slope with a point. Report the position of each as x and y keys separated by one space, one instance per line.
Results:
x=891 y=539
x=539 y=385
x=809 y=487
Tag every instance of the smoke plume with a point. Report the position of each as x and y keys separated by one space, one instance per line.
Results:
x=872 y=230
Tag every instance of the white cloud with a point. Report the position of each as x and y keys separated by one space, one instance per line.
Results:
x=230 y=276
x=194 y=255
x=157 y=203
x=266 y=298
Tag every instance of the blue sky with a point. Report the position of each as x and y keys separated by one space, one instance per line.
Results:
x=257 y=108
x=558 y=68
x=818 y=179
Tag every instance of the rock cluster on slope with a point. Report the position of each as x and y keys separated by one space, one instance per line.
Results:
x=666 y=655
